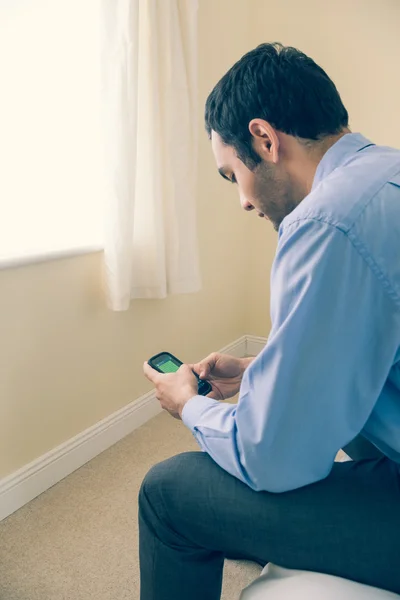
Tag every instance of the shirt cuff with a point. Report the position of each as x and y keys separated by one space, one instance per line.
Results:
x=195 y=408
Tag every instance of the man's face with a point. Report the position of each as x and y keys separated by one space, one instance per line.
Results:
x=267 y=189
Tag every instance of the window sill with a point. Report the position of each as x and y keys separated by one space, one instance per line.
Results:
x=40 y=257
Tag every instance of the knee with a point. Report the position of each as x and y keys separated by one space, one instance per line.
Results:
x=153 y=482
x=163 y=481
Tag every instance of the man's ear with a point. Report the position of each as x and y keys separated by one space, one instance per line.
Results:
x=265 y=140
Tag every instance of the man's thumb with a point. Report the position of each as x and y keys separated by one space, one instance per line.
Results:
x=204 y=370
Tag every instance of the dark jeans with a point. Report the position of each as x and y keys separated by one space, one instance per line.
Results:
x=192 y=515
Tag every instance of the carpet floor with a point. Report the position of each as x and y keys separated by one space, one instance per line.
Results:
x=79 y=540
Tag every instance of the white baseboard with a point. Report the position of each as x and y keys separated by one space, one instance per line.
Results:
x=254 y=344
x=33 y=479
x=41 y=474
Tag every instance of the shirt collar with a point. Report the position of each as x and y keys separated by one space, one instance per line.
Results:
x=337 y=155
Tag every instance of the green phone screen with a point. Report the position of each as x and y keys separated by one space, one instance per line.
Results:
x=169 y=366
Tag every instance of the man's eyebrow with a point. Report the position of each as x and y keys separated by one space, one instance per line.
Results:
x=222 y=172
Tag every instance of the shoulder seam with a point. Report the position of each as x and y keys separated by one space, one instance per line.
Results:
x=360 y=249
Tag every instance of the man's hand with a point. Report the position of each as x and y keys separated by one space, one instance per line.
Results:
x=173 y=390
x=224 y=372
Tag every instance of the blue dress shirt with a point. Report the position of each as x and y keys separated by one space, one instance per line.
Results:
x=331 y=366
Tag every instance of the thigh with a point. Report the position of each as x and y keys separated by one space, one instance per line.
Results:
x=346 y=525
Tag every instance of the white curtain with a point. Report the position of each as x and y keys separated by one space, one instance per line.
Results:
x=151 y=120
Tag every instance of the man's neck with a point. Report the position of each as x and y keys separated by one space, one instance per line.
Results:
x=303 y=158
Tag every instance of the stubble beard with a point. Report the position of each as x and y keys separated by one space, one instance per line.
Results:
x=274 y=193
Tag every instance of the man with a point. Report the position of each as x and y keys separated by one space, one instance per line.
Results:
x=266 y=487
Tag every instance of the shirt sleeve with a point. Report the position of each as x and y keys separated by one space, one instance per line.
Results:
x=312 y=388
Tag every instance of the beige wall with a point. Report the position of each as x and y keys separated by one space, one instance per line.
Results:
x=65 y=360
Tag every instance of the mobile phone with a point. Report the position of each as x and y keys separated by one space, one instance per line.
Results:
x=165 y=362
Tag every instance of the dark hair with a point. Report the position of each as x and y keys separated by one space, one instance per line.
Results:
x=280 y=85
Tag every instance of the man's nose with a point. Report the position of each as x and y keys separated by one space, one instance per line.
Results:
x=246 y=205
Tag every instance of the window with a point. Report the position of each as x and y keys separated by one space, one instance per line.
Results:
x=51 y=160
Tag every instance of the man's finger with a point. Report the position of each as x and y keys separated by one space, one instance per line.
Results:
x=150 y=373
